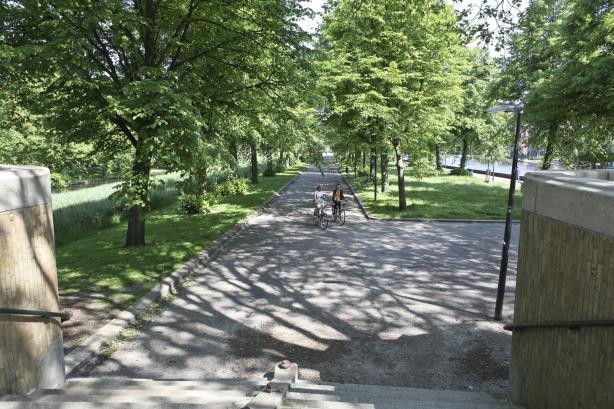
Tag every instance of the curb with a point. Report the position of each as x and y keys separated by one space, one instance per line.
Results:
x=95 y=343
x=417 y=220
x=365 y=210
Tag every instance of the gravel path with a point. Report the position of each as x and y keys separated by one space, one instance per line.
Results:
x=389 y=303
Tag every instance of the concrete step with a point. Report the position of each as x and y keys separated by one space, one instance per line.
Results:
x=194 y=397
x=323 y=404
x=109 y=405
x=354 y=392
x=312 y=396
x=92 y=384
x=116 y=386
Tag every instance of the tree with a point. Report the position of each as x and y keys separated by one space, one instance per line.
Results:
x=559 y=67
x=142 y=76
x=390 y=72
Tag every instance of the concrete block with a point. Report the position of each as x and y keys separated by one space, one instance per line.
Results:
x=23 y=187
x=581 y=198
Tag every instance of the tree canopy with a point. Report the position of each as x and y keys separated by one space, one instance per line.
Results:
x=200 y=86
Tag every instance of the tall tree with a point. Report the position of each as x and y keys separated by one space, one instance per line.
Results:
x=142 y=75
x=390 y=73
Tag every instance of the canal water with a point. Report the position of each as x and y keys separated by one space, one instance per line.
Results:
x=506 y=168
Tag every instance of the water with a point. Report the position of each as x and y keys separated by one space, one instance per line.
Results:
x=506 y=168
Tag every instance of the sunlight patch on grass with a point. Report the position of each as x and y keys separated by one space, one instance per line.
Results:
x=440 y=197
x=97 y=262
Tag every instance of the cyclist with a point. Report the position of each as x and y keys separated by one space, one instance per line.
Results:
x=318 y=199
x=337 y=198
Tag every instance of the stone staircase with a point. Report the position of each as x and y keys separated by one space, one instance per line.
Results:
x=284 y=391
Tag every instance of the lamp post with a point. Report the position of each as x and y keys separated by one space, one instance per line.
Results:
x=510 y=205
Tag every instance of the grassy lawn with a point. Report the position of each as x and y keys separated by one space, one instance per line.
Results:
x=97 y=262
x=79 y=212
x=440 y=197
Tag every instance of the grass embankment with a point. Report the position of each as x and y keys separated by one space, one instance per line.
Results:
x=80 y=212
x=439 y=197
x=98 y=263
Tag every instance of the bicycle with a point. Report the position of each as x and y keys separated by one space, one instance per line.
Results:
x=321 y=218
x=339 y=218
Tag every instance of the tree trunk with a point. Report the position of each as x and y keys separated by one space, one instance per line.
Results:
x=374 y=174
x=269 y=162
x=254 y=153
x=234 y=151
x=372 y=166
x=438 y=157
x=547 y=161
x=400 y=174
x=139 y=183
x=463 y=160
x=363 y=155
x=281 y=158
x=355 y=159
x=384 y=170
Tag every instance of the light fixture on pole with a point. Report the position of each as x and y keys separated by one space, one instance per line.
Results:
x=518 y=108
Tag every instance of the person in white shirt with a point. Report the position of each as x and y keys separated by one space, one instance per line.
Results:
x=318 y=198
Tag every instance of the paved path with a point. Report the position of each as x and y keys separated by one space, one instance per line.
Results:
x=394 y=303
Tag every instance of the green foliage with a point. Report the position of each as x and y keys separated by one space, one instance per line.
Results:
x=390 y=73
x=422 y=167
x=460 y=172
x=58 y=181
x=155 y=82
x=559 y=65
x=238 y=186
x=197 y=203
x=269 y=172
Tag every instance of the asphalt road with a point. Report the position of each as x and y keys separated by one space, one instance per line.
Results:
x=389 y=303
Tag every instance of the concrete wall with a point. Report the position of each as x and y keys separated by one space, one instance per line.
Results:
x=31 y=354
x=565 y=272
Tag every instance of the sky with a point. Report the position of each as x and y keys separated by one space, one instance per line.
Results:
x=311 y=24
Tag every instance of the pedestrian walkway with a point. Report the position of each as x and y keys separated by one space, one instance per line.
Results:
x=370 y=302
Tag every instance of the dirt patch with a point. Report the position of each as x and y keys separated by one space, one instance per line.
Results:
x=433 y=360
x=88 y=313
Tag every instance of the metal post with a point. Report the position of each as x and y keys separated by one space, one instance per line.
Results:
x=508 y=224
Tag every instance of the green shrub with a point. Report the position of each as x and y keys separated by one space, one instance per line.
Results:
x=280 y=168
x=241 y=186
x=224 y=188
x=58 y=181
x=230 y=187
x=269 y=172
x=460 y=172
x=196 y=204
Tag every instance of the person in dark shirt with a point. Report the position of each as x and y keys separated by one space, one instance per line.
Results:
x=337 y=197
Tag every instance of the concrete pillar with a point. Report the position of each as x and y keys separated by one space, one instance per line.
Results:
x=565 y=273
x=31 y=354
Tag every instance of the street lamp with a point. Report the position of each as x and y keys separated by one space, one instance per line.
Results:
x=510 y=205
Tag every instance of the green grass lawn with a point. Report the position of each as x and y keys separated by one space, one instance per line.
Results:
x=80 y=212
x=440 y=197
x=97 y=262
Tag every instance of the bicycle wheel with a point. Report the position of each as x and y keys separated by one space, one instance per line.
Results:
x=341 y=217
x=324 y=221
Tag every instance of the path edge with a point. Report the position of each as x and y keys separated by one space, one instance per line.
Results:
x=361 y=205
x=95 y=343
